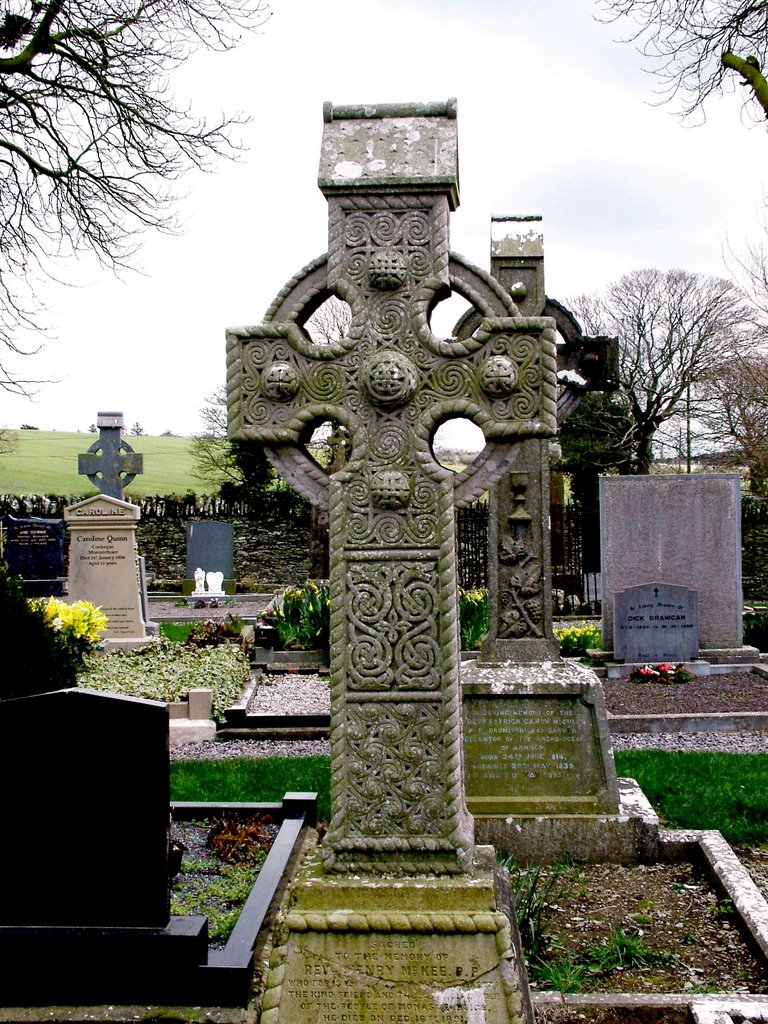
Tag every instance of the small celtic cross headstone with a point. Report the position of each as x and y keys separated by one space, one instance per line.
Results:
x=110 y=463
x=390 y=176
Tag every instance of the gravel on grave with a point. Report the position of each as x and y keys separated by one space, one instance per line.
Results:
x=294 y=693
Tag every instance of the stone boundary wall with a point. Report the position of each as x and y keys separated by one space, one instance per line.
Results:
x=271 y=533
x=272 y=536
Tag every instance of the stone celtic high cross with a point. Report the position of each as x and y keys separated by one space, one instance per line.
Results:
x=390 y=176
x=110 y=463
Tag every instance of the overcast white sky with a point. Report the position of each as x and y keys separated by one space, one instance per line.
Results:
x=553 y=116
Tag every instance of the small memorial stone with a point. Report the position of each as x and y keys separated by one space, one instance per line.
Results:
x=536 y=741
x=656 y=622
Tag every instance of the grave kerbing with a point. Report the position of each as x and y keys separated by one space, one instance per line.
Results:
x=360 y=933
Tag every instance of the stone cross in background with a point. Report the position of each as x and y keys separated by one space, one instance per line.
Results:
x=110 y=463
x=519 y=557
x=390 y=177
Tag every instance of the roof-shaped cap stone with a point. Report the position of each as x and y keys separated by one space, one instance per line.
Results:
x=390 y=147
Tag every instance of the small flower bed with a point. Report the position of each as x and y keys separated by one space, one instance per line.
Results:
x=301 y=616
x=211 y=633
x=577 y=638
x=80 y=625
x=663 y=673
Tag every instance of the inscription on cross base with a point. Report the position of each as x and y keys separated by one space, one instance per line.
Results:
x=110 y=463
x=390 y=178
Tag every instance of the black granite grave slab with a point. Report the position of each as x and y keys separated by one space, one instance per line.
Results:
x=86 y=807
x=34 y=549
x=209 y=547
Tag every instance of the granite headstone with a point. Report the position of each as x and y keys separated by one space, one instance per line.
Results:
x=209 y=547
x=684 y=530
x=656 y=622
x=34 y=549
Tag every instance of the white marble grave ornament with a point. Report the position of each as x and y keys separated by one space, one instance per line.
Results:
x=199 y=581
x=215 y=583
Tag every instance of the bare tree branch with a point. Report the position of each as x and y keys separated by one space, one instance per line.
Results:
x=693 y=45
x=92 y=139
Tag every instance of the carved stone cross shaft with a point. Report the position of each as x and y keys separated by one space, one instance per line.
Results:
x=110 y=463
x=390 y=176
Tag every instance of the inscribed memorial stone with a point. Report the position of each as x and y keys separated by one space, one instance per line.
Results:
x=536 y=741
x=684 y=530
x=656 y=622
x=34 y=549
x=103 y=566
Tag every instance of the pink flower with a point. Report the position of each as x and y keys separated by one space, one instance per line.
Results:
x=666 y=668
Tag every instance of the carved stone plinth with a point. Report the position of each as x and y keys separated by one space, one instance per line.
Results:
x=375 y=950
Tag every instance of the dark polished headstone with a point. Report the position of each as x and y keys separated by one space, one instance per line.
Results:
x=209 y=547
x=656 y=622
x=87 y=811
x=34 y=549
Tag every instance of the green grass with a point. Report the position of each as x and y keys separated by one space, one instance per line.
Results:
x=728 y=792
x=45 y=462
x=176 y=630
x=246 y=780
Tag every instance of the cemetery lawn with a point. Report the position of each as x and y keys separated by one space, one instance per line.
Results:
x=45 y=462
x=247 y=779
x=597 y=928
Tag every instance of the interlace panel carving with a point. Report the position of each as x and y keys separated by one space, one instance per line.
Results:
x=395 y=768
x=393 y=626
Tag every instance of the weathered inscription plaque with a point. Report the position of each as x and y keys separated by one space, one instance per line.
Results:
x=536 y=742
x=364 y=969
x=656 y=622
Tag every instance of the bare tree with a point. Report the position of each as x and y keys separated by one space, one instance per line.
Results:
x=693 y=45
x=735 y=417
x=219 y=461
x=91 y=137
x=675 y=329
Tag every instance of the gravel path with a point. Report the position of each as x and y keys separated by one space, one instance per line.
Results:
x=309 y=694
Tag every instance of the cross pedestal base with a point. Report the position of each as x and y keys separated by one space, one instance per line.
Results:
x=376 y=949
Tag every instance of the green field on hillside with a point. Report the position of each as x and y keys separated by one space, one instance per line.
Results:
x=45 y=462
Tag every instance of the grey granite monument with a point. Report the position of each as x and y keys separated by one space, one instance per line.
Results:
x=361 y=933
x=684 y=531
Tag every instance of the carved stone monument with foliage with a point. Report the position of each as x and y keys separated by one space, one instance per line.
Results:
x=390 y=177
